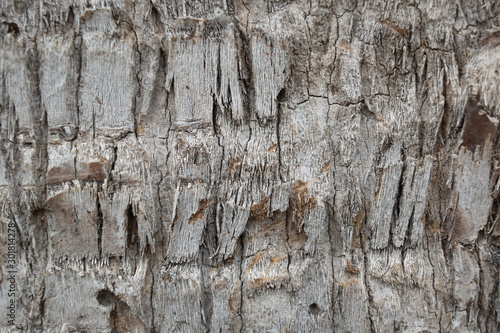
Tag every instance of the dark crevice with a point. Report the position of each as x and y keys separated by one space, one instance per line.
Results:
x=151 y=296
x=445 y=115
x=93 y=125
x=138 y=76
x=399 y=194
x=280 y=104
x=70 y=19
x=156 y=20
x=132 y=234
x=364 y=239
x=78 y=58
x=113 y=315
x=241 y=248
x=215 y=126
x=113 y=163
x=42 y=304
x=206 y=298
x=100 y=222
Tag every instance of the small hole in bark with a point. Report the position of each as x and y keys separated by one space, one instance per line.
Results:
x=12 y=28
x=281 y=95
x=106 y=297
x=314 y=309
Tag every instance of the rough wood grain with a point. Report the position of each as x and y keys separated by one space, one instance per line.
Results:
x=251 y=166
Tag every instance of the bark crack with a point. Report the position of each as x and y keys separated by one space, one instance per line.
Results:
x=100 y=222
x=241 y=277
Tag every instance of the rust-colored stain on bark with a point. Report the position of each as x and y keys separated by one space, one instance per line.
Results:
x=350 y=268
x=433 y=226
x=325 y=167
x=267 y=281
x=200 y=212
x=351 y=283
x=234 y=296
x=140 y=125
x=233 y=164
x=60 y=174
x=174 y=222
x=343 y=46
x=274 y=260
x=378 y=191
x=301 y=204
x=478 y=127
x=296 y=238
x=396 y=28
x=87 y=15
x=272 y=147
x=356 y=232
x=92 y=171
x=260 y=210
x=256 y=258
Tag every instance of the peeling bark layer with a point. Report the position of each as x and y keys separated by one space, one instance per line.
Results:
x=260 y=166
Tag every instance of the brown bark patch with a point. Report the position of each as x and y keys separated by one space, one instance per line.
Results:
x=274 y=260
x=351 y=269
x=325 y=167
x=343 y=46
x=378 y=191
x=356 y=232
x=174 y=222
x=267 y=227
x=256 y=258
x=141 y=125
x=492 y=40
x=272 y=147
x=350 y=284
x=301 y=202
x=60 y=174
x=396 y=28
x=267 y=281
x=459 y=227
x=200 y=212
x=123 y=319
x=234 y=296
x=296 y=239
x=496 y=230
x=478 y=127
x=92 y=171
x=233 y=164
x=433 y=226
x=260 y=210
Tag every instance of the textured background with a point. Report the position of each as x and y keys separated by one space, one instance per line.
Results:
x=251 y=166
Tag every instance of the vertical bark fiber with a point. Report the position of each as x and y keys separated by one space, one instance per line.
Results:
x=251 y=166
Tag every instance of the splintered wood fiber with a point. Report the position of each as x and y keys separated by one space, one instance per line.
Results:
x=249 y=166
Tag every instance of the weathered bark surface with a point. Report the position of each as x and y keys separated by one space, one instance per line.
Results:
x=251 y=166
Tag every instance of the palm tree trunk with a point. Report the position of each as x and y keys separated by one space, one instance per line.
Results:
x=250 y=166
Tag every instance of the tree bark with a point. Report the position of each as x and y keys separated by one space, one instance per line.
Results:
x=250 y=166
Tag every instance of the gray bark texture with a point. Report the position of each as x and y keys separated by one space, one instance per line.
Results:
x=250 y=166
